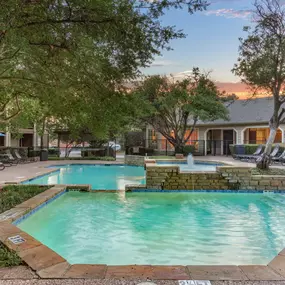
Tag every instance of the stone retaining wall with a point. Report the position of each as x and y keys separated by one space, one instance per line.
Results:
x=225 y=178
x=134 y=160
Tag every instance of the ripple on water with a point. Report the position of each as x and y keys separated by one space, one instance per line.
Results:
x=162 y=229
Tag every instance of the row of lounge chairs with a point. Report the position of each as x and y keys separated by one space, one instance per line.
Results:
x=8 y=159
x=275 y=157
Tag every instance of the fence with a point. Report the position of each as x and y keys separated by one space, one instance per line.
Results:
x=161 y=147
x=63 y=152
x=74 y=152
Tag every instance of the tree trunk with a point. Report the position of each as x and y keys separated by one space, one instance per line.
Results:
x=179 y=146
x=264 y=161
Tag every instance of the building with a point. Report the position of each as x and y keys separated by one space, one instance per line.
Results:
x=247 y=124
x=28 y=137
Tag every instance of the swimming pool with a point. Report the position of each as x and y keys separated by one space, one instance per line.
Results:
x=197 y=166
x=100 y=177
x=162 y=228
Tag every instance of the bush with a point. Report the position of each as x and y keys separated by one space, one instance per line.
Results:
x=34 y=153
x=93 y=153
x=53 y=152
x=188 y=149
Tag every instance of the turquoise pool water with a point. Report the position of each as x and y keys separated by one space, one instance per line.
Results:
x=162 y=228
x=197 y=166
x=101 y=177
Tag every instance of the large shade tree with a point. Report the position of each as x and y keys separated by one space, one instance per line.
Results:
x=173 y=107
x=74 y=54
x=261 y=63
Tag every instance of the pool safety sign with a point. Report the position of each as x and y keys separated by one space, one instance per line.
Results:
x=16 y=239
x=194 y=282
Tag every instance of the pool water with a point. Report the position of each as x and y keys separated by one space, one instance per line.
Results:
x=197 y=166
x=100 y=177
x=162 y=228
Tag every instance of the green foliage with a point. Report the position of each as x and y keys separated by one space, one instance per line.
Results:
x=101 y=158
x=188 y=149
x=13 y=195
x=172 y=107
x=53 y=152
x=63 y=63
x=261 y=62
x=8 y=258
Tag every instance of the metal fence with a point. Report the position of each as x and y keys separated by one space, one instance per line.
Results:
x=162 y=147
x=74 y=152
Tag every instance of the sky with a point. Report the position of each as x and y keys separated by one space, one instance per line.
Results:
x=212 y=40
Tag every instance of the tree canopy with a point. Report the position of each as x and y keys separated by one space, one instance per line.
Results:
x=70 y=57
x=173 y=107
x=261 y=62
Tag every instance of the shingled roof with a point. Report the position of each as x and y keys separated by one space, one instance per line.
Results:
x=252 y=111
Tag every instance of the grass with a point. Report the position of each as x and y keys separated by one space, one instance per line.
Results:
x=11 y=196
x=8 y=258
x=103 y=158
x=270 y=171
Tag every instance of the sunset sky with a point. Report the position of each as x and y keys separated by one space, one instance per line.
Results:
x=211 y=43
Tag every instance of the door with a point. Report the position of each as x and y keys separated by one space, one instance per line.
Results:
x=227 y=141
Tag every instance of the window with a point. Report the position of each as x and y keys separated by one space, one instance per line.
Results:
x=260 y=135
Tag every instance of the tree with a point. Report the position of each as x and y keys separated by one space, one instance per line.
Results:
x=261 y=63
x=52 y=50
x=171 y=106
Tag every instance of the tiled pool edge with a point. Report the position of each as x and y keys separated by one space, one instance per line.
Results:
x=48 y=264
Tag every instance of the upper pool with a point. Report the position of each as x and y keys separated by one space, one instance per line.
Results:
x=100 y=177
x=197 y=166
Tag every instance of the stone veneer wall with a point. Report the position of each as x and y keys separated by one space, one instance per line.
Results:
x=226 y=178
x=134 y=160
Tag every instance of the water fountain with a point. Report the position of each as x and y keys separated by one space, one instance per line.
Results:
x=190 y=161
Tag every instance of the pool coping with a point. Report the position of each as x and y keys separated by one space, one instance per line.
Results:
x=48 y=264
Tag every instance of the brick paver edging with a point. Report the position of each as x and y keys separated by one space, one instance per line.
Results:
x=48 y=264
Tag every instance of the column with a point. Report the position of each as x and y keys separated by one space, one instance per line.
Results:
x=35 y=136
x=8 y=139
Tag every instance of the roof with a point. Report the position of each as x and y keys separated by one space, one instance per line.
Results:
x=257 y=110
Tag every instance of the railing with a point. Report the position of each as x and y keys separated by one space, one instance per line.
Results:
x=74 y=152
x=161 y=147
x=63 y=152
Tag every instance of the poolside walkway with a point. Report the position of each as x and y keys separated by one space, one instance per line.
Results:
x=24 y=276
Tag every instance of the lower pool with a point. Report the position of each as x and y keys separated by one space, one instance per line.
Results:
x=162 y=228
x=100 y=177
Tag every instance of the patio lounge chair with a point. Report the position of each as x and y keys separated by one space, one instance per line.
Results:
x=255 y=154
x=2 y=166
x=5 y=160
x=272 y=155
x=280 y=158
x=8 y=156
x=21 y=158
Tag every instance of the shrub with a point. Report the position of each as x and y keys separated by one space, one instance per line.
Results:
x=53 y=152
x=188 y=149
x=34 y=153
